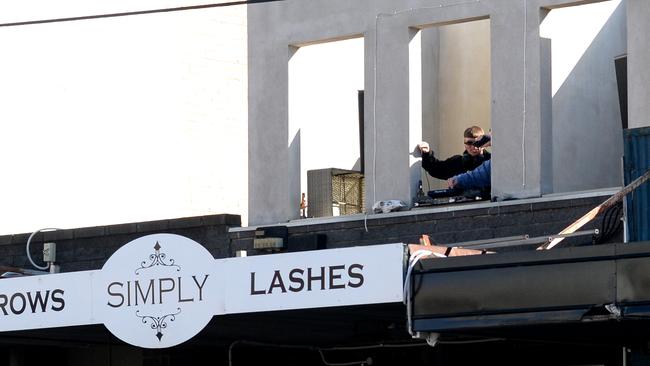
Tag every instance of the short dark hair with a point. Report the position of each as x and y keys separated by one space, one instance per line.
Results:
x=473 y=132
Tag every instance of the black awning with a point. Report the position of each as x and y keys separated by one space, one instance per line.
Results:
x=528 y=289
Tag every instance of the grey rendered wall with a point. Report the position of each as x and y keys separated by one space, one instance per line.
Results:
x=638 y=63
x=515 y=109
x=587 y=131
x=455 y=86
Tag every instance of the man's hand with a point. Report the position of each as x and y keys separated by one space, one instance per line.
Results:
x=451 y=182
x=424 y=147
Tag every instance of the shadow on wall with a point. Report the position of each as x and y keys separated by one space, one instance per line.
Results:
x=357 y=165
x=587 y=131
x=294 y=176
x=416 y=169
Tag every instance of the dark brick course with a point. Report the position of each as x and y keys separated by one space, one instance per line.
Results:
x=89 y=248
x=510 y=219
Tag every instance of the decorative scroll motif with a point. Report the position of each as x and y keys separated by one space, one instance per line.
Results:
x=157 y=259
x=159 y=323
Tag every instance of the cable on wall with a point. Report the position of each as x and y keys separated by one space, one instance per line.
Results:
x=367 y=361
x=320 y=350
x=29 y=255
x=139 y=12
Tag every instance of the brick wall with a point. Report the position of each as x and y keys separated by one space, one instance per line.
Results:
x=533 y=219
x=88 y=248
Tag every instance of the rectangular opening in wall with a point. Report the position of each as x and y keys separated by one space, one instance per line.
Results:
x=324 y=135
x=455 y=89
x=585 y=41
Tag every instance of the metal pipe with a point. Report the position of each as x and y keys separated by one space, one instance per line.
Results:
x=526 y=241
x=467 y=244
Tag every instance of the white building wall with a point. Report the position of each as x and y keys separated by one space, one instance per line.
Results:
x=121 y=119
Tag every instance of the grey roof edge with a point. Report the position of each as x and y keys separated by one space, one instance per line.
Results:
x=447 y=208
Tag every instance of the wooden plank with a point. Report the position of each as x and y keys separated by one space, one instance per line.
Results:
x=445 y=251
x=618 y=196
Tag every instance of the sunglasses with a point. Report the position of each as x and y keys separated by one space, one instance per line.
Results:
x=478 y=142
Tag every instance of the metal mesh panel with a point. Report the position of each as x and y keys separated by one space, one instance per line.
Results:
x=332 y=192
x=347 y=192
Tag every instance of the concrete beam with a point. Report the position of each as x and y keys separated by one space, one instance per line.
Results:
x=556 y=4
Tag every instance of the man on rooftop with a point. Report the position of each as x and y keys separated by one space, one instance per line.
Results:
x=470 y=159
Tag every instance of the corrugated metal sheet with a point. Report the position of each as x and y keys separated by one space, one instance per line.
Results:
x=637 y=162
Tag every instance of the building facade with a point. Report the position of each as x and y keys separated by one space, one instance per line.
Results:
x=535 y=129
x=584 y=302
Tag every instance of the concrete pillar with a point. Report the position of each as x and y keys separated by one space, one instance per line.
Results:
x=387 y=174
x=516 y=165
x=638 y=63
x=274 y=148
x=268 y=135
